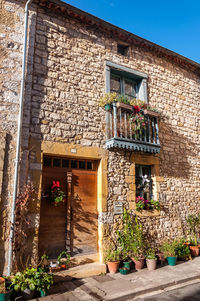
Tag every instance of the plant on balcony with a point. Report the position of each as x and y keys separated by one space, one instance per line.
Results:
x=107 y=100
x=142 y=204
x=137 y=121
x=57 y=196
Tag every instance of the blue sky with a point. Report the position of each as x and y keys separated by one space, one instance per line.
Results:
x=174 y=24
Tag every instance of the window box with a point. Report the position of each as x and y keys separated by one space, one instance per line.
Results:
x=124 y=106
x=151 y=113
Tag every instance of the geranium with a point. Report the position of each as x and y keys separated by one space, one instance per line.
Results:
x=57 y=196
x=142 y=204
x=136 y=109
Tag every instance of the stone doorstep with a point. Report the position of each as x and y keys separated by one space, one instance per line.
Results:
x=81 y=271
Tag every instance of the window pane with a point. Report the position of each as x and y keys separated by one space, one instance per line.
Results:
x=74 y=163
x=129 y=88
x=47 y=161
x=143 y=181
x=65 y=163
x=82 y=164
x=115 y=84
x=56 y=162
x=89 y=165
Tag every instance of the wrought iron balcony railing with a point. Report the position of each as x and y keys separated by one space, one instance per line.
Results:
x=121 y=134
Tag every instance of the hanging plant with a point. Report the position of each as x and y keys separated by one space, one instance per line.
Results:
x=57 y=196
x=137 y=121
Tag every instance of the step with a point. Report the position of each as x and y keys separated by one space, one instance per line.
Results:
x=80 y=271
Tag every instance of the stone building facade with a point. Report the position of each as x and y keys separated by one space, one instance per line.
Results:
x=71 y=55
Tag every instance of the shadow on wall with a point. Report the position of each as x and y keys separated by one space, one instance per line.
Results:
x=175 y=151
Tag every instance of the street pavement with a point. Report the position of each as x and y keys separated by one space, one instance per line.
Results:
x=165 y=283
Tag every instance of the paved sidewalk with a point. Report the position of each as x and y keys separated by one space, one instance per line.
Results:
x=117 y=287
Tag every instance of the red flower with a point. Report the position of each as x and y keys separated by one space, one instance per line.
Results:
x=56 y=184
x=136 y=109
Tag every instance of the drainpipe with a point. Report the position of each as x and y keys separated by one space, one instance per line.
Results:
x=19 y=127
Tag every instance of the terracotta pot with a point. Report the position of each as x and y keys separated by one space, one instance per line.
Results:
x=139 y=264
x=113 y=266
x=151 y=264
x=63 y=266
x=194 y=250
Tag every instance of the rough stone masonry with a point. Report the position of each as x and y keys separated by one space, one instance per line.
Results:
x=65 y=79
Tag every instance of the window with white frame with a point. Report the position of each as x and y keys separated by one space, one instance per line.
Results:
x=143 y=181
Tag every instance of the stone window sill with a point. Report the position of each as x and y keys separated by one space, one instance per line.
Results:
x=148 y=213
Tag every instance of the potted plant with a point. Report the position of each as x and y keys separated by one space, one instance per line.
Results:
x=63 y=259
x=43 y=281
x=137 y=245
x=142 y=204
x=5 y=293
x=151 y=259
x=112 y=259
x=44 y=263
x=107 y=100
x=57 y=196
x=25 y=282
x=193 y=223
x=169 y=250
x=182 y=250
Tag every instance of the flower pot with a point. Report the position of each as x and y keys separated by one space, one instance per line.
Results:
x=171 y=261
x=123 y=271
x=27 y=294
x=5 y=296
x=113 y=266
x=127 y=264
x=107 y=107
x=63 y=266
x=139 y=264
x=151 y=264
x=44 y=292
x=194 y=250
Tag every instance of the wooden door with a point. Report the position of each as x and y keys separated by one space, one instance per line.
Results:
x=71 y=225
x=84 y=212
x=52 y=218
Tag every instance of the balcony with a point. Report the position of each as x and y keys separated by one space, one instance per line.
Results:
x=120 y=133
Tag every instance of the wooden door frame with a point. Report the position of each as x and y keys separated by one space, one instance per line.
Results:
x=77 y=152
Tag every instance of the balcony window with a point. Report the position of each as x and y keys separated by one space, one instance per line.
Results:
x=119 y=130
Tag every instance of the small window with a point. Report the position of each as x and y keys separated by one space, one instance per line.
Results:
x=74 y=163
x=89 y=165
x=65 y=163
x=47 y=161
x=143 y=181
x=82 y=164
x=56 y=162
x=122 y=49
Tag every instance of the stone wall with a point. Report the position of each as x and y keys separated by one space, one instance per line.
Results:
x=63 y=87
x=11 y=46
x=69 y=78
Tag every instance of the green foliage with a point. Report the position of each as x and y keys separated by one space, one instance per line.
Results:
x=123 y=99
x=130 y=237
x=65 y=256
x=194 y=223
x=169 y=249
x=182 y=250
x=31 y=279
x=113 y=255
x=150 y=254
x=142 y=204
x=24 y=280
x=43 y=281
